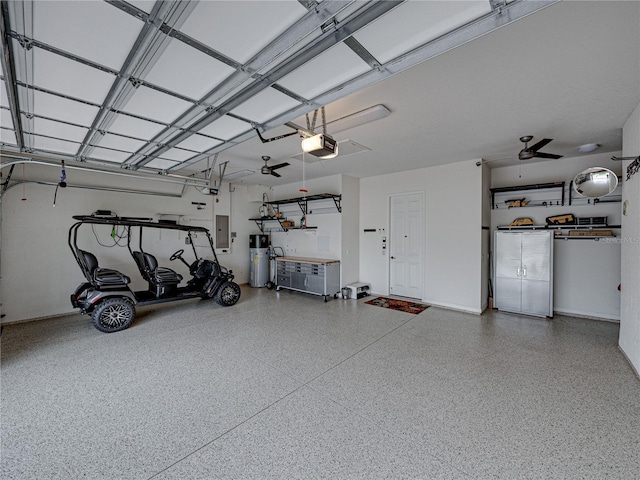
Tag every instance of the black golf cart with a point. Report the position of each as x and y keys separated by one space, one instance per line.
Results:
x=106 y=295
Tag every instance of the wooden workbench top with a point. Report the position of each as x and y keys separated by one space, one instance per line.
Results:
x=324 y=261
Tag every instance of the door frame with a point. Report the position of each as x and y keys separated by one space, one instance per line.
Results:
x=422 y=243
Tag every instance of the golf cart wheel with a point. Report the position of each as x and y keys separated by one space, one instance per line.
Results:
x=113 y=315
x=228 y=294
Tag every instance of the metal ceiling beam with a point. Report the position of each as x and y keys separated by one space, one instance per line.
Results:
x=21 y=13
x=488 y=23
x=502 y=15
x=8 y=68
x=146 y=51
x=359 y=19
x=98 y=188
x=153 y=177
x=296 y=33
x=201 y=117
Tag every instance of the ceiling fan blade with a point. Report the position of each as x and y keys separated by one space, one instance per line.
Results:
x=275 y=174
x=547 y=155
x=540 y=144
x=280 y=165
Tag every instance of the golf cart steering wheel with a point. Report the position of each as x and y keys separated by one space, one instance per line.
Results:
x=177 y=255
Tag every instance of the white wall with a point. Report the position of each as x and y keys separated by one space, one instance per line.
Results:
x=629 y=340
x=586 y=272
x=241 y=211
x=38 y=272
x=486 y=236
x=323 y=242
x=350 y=255
x=453 y=221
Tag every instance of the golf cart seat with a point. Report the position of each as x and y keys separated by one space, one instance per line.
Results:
x=102 y=277
x=161 y=279
x=160 y=274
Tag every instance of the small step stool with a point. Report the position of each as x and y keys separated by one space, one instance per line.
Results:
x=358 y=290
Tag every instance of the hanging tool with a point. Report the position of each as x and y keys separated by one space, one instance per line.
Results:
x=62 y=183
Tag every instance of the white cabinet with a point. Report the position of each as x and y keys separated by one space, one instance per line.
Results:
x=523 y=272
x=316 y=276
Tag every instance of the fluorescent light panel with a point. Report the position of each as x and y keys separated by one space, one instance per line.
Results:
x=238 y=174
x=359 y=118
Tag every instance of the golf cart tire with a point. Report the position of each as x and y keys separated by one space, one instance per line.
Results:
x=113 y=314
x=228 y=294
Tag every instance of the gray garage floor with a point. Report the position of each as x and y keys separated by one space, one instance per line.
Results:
x=283 y=385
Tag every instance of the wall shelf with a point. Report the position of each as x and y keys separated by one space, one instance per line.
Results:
x=557 y=227
x=522 y=227
x=536 y=186
x=303 y=204
x=262 y=221
x=560 y=236
x=575 y=237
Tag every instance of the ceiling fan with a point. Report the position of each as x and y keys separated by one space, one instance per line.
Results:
x=529 y=152
x=270 y=170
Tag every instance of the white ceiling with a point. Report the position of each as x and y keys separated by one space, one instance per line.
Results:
x=197 y=84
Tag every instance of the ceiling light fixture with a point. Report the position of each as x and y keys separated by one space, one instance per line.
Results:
x=588 y=147
x=359 y=118
x=238 y=174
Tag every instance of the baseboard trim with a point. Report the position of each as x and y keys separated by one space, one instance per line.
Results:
x=457 y=308
x=633 y=368
x=587 y=315
x=35 y=319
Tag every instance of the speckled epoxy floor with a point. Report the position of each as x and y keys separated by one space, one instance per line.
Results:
x=283 y=385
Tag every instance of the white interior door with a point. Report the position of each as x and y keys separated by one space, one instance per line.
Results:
x=406 y=245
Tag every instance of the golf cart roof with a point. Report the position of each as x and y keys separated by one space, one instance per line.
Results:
x=133 y=222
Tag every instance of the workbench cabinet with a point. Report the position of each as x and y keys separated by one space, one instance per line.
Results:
x=309 y=275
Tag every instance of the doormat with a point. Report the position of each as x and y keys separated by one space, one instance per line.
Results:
x=402 y=305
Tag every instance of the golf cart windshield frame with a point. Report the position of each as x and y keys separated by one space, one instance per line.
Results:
x=132 y=223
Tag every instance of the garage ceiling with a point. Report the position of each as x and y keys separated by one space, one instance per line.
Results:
x=165 y=86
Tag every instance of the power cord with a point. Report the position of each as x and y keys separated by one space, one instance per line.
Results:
x=115 y=235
